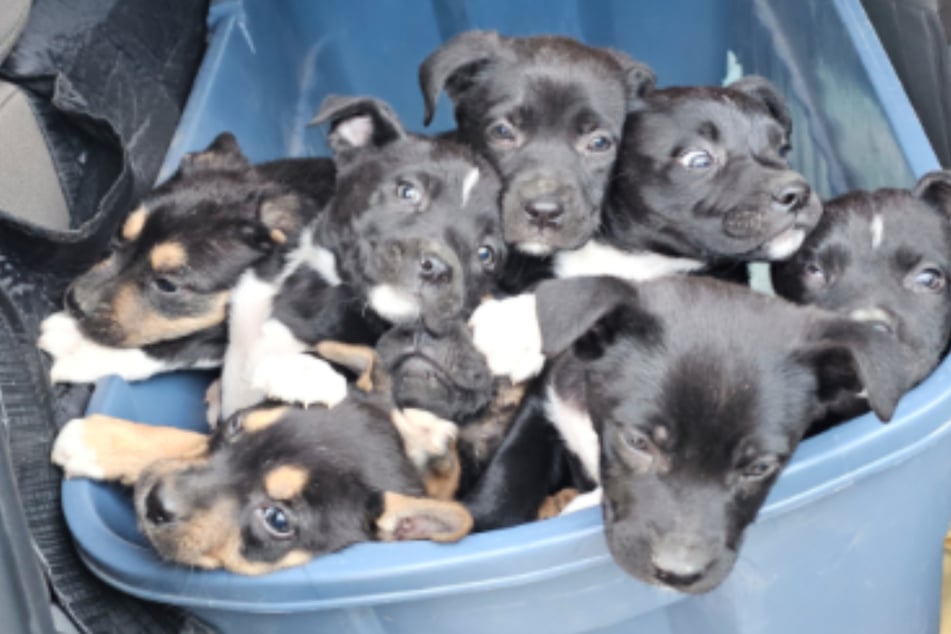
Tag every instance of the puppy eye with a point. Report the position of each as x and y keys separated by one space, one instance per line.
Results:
x=409 y=192
x=636 y=441
x=759 y=469
x=600 y=143
x=165 y=285
x=276 y=522
x=814 y=273
x=696 y=159
x=930 y=279
x=502 y=132
x=486 y=255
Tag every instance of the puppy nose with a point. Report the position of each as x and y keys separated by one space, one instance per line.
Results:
x=680 y=561
x=544 y=211
x=791 y=196
x=155 y=510
x=434 y=269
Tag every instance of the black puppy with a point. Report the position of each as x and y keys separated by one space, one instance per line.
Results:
x=683 y=398
x=882 y=257
x=548 y=111
x=411 y=234
x=159 y=301
x=701 y=184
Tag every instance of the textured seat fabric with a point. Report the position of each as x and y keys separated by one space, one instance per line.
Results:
x=29 y=186
x=13 y=14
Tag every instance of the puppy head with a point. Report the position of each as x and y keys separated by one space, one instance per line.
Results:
x=281 y=486
x=882 y=257
x=414 y=222
x=179 y=253
x=698 y=410
x=702 y=173
x=548 y=112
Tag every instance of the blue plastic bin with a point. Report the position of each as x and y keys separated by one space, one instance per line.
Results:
x=850 y=538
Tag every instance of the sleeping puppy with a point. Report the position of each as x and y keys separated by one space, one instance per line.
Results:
x=684 y=398
x=548 y=112
x=883 y=257
x=271 y=488
x=159 y=301
x=701 y=184
x=411 y=235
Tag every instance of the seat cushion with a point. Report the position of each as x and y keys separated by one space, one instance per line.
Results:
x=13 y=16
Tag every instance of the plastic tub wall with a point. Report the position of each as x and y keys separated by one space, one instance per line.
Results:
x=850 y=538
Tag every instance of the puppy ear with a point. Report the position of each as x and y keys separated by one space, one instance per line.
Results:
x=405 y=517
x=934 y=188
x=850 y=356
x=588 y=313
x=762 y=90
x=357 y=123
x=223 y=154
x=453 y=65
x=639 y=79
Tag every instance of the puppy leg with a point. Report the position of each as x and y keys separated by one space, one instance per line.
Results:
x=105 y=448
x=554 y=504
x=507 y=332
x=430 y=443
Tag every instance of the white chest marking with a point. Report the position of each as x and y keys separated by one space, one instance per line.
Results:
x=313 y=256
x=577 y=431
x=877 y=230
x=596 y=258
x=468 y=183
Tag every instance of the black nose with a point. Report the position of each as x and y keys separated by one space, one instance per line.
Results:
x=791 y=196
x=544 y=211
x=155 y=510
x=434 y=269
x=676 y=580
x=72 y=305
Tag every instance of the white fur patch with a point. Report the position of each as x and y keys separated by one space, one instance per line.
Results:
x=468 y=183
x=77 y=359
x=785 y=244
x=537 y=249
x=583 y=501
x=71 y=453
x=506 y=331
x=356 y=131
x=596 y=258
x=576 y=430
x=877 y=230
x=426 y=437
x=313 y=256
x=299 y=378
x=393 y=304
x=872 y=314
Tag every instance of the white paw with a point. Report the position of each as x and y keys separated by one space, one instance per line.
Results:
x=426 y=437
x=506 y=331
x=59 y=334
x=583 y=501
x=71 y=453
x=299 y=378
x=213 y=404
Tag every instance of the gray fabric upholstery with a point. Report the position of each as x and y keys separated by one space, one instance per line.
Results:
x=13 y=14
x=29 y=186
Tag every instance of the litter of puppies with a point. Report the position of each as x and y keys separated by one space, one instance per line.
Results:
x=503 y=323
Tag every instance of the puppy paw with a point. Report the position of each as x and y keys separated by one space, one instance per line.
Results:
x=506 y=331
x=430 y=444
x=72 y=452
x=556 y=503
x=213 y=403
x=299 y=378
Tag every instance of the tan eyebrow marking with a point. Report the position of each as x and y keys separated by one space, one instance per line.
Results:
x=285 y=482
x=168 y=256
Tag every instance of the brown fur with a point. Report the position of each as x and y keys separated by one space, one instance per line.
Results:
x=403 y=518
x=285 y=482
x=261 y=418
x=168 y=256
x=134 y=223
x=142 y=325
x=554 y=504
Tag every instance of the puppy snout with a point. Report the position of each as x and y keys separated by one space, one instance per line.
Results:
x=433 y=269
x=680 y=561
x=156 y=510
x=791 y=196
x=544 y=211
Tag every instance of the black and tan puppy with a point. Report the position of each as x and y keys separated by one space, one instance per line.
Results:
x=411 y=235
x=683 y=398
x=159 y=301
x=548 y=112
x=883 y=257
x=272 y=488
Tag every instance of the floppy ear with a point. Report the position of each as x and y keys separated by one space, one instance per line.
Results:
x=405 y=517
x=452 y=66
x=849 y=357
x=223 y=154
x=358 y=123
x=762 y=90
x=588 y=312
x=639 y=79
x=934 y=188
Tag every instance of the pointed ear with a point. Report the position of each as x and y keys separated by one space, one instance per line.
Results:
x=852 y=357
x=639 y=79
x=453 y=65
x=405 y=517
x=223 y=154
x=588 y=313
x=934 y=188
x=760 y=89
x=358 y=123
x=361 y=360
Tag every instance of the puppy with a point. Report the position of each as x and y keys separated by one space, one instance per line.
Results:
x=548 y=112
x=883 y=257
x=272 y=488
x=159 y=301
x=411 y=234
x=684 y=398
x=701 y=184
